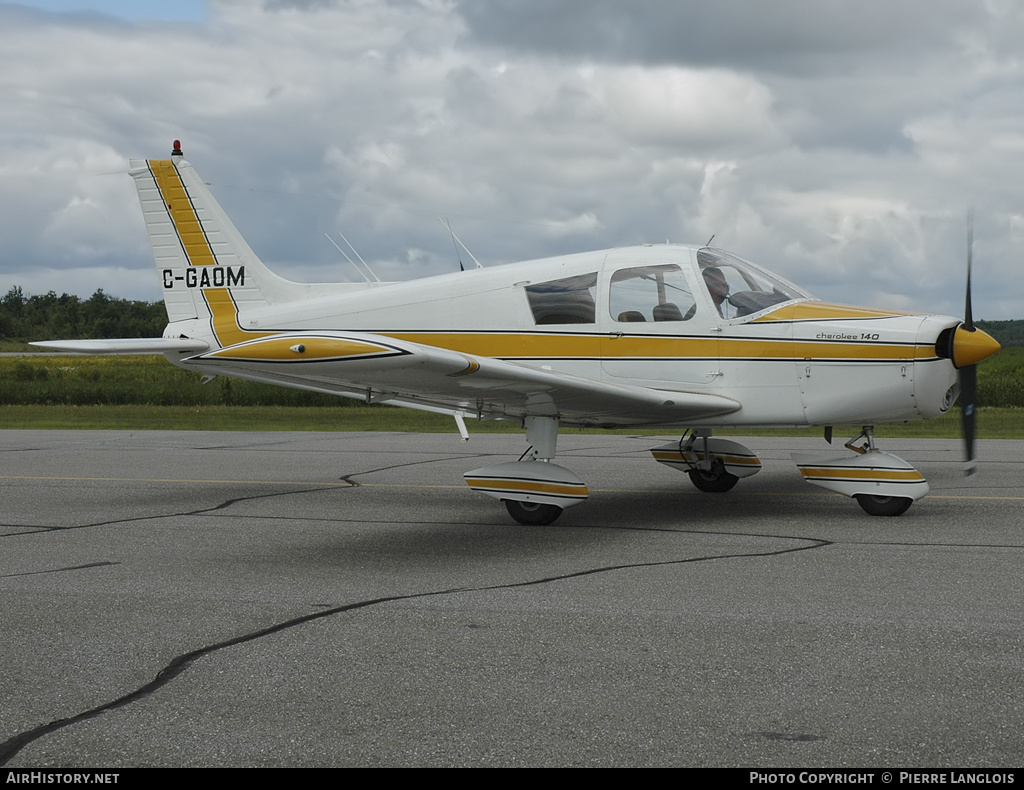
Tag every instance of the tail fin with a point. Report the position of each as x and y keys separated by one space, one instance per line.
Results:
x=208 y=272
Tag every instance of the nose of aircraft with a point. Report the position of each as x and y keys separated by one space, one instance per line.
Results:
x=971 y=347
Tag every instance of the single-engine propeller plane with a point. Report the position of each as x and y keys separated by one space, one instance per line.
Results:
x=684 y=337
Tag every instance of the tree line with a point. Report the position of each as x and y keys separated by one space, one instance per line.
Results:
x=1008 y=333
x=67 y=317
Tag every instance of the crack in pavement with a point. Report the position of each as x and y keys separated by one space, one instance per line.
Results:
x=60 y=570
x=36 y=529
x=348 y=478
x=10 y=748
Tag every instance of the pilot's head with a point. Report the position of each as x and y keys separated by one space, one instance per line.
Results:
x=716 y=282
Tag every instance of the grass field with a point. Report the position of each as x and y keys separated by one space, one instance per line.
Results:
x=993 y=423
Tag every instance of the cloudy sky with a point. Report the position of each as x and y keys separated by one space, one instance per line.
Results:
x=840 y=144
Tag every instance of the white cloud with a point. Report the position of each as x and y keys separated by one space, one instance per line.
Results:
x=706 y=111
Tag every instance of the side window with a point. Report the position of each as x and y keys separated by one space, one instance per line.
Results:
x=567 y=301
x=651 y=293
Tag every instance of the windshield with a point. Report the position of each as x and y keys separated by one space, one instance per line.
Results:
x=739 y=288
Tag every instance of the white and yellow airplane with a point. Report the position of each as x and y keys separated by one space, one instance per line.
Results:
x=683 y=337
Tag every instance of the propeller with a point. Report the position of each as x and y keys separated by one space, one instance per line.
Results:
x=970 y=346
x=969 y=373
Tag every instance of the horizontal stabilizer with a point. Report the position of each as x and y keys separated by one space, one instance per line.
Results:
x=130 y=345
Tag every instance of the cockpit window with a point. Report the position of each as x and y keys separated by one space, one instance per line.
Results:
x=739 y=288
x=651 y=293
x=566 y=301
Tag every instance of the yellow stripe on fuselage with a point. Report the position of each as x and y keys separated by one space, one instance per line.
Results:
x=525 y=345
x=818 y=311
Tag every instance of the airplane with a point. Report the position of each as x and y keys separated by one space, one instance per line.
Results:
x=688 y=338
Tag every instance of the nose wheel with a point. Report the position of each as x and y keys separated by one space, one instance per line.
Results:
x=532 y=514
x=883 y=505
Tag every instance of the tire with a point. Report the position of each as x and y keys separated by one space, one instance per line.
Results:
x=884 y=505
x=532 y=514
x=716 y=482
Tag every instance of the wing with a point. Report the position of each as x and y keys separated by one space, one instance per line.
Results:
x=378 y=368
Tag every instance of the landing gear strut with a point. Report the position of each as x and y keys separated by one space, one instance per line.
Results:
x=535 y=492
x=713 y=465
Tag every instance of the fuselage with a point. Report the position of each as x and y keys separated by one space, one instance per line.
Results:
x=667 y=317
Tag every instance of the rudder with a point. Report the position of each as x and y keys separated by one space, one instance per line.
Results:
x=208 y=272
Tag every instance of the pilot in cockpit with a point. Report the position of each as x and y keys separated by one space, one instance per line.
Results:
x=718 y=287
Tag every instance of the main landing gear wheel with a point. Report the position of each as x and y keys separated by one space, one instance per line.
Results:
x=884 y=505
x=532 y=514
x=717 y=481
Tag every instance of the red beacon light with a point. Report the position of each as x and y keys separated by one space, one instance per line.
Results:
x=177 y=148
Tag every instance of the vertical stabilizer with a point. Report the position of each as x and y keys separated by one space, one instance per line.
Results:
x=208 y=273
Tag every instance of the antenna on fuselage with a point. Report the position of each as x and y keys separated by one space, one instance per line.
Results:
x=710 y=240
x=339 y=249
x=360 y=257
x=456 y=238
x=456 y=246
